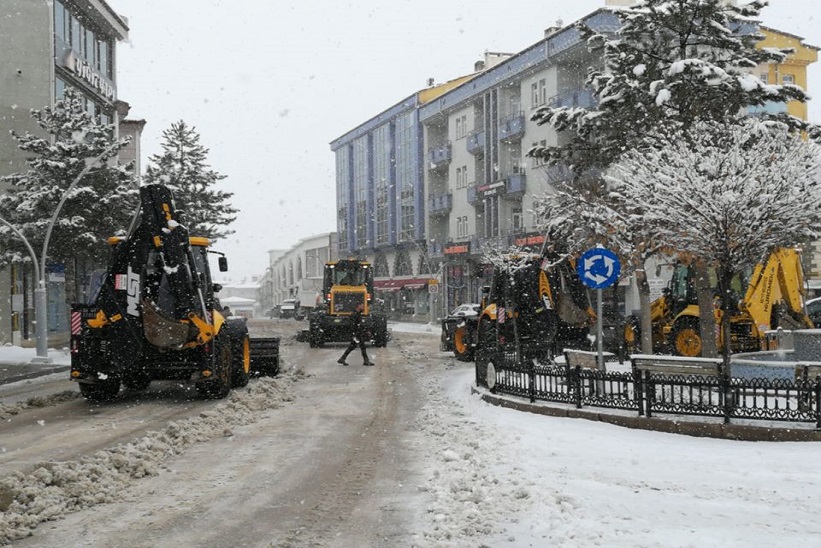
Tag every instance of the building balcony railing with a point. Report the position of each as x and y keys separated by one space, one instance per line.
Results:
x=475 y=142
x=512 y=126
x=439 y=156
x=440 y=203
x=558 y=173
x=770 y=107
x=473 y=194
x=515 y=183
x=583 y=98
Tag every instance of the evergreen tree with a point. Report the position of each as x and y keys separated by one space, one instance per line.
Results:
x=101 y=204
x=671 y=64
x=183 y=167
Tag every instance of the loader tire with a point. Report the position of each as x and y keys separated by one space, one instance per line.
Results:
x=463 y=347
x=218 y=385
x=686 y=338
x=486 y=351
x=240 y=361
x=137 y=382
x=101 y=391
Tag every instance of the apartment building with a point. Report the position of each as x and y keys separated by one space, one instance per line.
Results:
x=48 y=45
x=297 y=273
x=477 y=184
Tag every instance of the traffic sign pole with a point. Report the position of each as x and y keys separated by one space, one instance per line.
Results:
x=599 y=268
x=599 y=330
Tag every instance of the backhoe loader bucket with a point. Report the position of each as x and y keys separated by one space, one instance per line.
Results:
x=161 y=331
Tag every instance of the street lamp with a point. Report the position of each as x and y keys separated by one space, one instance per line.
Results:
x=40 y=297
x=42 y=345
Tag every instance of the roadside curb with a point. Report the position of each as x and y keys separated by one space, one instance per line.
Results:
x=669 y=425
x=29 y=372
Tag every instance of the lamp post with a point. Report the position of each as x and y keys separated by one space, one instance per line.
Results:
x=40 y=296
x=39 y=311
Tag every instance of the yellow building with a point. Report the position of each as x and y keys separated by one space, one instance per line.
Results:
x=794 y=68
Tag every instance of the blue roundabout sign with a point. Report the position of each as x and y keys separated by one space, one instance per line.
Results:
x=598 y=268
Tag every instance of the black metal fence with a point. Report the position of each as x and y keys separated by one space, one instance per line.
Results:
x=650 y=393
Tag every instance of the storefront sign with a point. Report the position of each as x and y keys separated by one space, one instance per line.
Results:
x=536 y=239
x=86 y=72
x=491 y=189
x=457 y=249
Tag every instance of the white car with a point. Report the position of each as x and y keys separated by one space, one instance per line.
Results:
x=469 y=309
x=813 y=307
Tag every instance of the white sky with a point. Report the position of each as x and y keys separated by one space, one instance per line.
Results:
x=268 y=85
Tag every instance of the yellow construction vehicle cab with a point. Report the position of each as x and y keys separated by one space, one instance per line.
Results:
x=769 y=296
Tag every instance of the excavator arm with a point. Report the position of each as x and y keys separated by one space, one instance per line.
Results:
x=776 y=292
x=153 y=289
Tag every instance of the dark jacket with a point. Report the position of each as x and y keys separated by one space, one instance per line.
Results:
x=359 y=326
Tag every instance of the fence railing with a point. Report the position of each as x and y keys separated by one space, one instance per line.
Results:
x=651 y=392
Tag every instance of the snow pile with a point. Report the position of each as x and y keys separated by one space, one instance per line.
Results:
x=9 y=410
x=472 y=499
x=56 y=488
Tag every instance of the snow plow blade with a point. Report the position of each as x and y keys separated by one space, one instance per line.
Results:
x=265 y=356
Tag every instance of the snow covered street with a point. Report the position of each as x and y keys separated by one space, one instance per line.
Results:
x=403 y=454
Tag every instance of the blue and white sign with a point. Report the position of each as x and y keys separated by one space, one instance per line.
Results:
x=598 y=268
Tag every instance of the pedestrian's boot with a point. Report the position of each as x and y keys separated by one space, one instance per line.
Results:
x=368 y=362
x=341 y=361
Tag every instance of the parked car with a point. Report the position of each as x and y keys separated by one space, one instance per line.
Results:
x=469 y=309
x=450 y=323
x=290 y=308
x=813 y=307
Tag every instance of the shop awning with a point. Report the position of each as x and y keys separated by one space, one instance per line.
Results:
x=396 y=285
x=415 y=284
x=387 y=285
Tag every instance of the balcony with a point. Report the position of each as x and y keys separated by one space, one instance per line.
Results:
x=583 y=98
x=439 y=156
x=770 y=107
x=515 y=184
x=476 y=142
x=473 y=194
x=558 y=173
x=440 y=203
x=512 y=127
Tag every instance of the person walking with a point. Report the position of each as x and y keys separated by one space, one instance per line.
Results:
x=358 y=336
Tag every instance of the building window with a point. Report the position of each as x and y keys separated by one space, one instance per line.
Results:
x=402 y=266
x=103 y=64
x=788 y=79
x=380 y=267
x=461 y=177
x=462 y=227
x=538 y=93
x=537 y=162
x=461 y=126
x=59 y=88
x=61 y=24
x=517 y=220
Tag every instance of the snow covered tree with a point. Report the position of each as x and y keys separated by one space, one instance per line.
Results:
x=672 y=63
x=576 y=217
x=183 y=167
x=101 y=204
x=728 y=194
